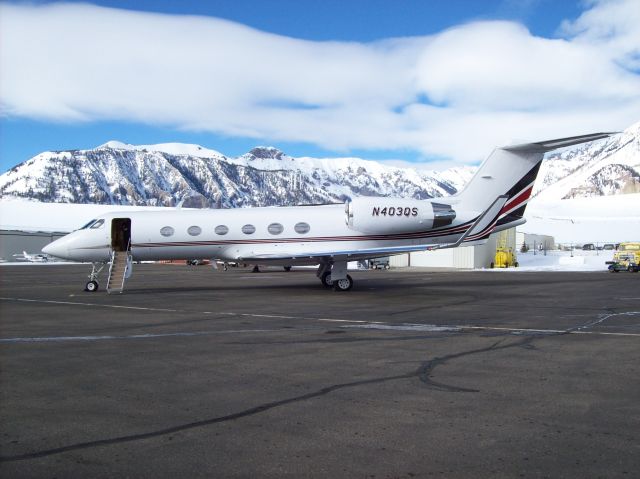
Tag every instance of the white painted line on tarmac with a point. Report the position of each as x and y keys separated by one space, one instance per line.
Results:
x=54 y=339
x=76 y=303
x=221 y=313
x=604 y=333
x=548 y=331
x=362 y=324
x=342 y=320
x=517 y=330
x=405 y=327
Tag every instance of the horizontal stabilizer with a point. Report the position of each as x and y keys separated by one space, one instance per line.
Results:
x=548 y=145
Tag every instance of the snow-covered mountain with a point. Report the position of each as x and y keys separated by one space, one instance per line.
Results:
x=165 y=174
x=601 y=168
x=589 y=193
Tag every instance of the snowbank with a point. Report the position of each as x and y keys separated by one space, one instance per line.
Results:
x=577 y=260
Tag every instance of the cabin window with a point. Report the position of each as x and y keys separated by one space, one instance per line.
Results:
x=302 y=228
x=97 y=224
x=167 y=231
x=221 y=230
x=275 y=228
x=248 y=229
x=194 y=230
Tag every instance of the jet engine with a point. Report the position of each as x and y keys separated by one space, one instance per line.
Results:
x=378 y=215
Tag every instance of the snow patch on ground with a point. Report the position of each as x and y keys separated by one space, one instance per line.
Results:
x=556 y=260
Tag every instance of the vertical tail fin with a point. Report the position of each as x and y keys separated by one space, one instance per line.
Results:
x=512 y=171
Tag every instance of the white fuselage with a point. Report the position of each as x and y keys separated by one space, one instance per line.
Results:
x=261 y=235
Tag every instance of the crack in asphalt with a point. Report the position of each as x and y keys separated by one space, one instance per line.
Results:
x=423 y=373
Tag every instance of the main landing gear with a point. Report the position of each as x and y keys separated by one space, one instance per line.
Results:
x=328 y=273
x=92 y=284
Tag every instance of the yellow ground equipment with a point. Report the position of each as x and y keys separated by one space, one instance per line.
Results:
x=627 y=258
x=505 y=257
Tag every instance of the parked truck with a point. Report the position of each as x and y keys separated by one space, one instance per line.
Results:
x=627 y=258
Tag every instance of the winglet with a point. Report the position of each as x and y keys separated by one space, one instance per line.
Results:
x=481 y=226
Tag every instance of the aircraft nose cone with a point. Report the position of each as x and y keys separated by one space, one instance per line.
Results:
x=57 y=248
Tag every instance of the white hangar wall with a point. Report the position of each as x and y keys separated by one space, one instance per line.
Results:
x=534 y=241
x=463 y=257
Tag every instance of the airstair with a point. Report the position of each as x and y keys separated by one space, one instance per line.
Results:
x=119 y=270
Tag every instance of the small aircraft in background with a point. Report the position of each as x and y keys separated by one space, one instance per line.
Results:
x=325 y=235
x=32 y=257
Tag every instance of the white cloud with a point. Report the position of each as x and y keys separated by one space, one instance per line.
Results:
x=612 y=27
x=454 y=94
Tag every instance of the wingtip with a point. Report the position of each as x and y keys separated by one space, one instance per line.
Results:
x=549 y=145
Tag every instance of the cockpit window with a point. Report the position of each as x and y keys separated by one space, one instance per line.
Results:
x=88 y=224
x=97 y=224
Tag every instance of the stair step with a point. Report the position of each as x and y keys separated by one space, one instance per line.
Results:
x=117 y=271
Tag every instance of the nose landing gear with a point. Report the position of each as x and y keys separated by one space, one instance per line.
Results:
x=92 y=284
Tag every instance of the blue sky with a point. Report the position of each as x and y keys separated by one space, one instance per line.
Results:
x=407 y=80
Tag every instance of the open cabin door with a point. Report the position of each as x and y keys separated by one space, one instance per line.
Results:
x=120 y=234
x=121 y=260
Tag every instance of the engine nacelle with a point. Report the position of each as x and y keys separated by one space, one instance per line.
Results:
x=377 y=215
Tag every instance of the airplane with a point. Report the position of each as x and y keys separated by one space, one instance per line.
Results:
x=325 y=235
x=32 y=258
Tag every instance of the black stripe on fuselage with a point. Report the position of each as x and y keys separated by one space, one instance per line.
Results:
x=459 y=229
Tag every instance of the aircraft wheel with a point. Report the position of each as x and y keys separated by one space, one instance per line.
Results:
x=386 y=266
x=343 y=284
x=516 y=264
x=326 y=279
x=287 y=268
x=491 y=265
x=91 y=286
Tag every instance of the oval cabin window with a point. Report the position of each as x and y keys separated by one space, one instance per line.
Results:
x=248 y=229
x=194 y=230
x=167 y=231
x=302 y=228
x=275 y=228
x=221 y=230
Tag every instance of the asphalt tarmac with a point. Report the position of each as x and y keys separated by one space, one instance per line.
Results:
x=193 y=372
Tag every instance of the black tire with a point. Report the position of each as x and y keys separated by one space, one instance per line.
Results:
x=326 y=279
x=516 y=264
x=91 y=286
x=287 y=268
x=491 y=265
x=343 y=284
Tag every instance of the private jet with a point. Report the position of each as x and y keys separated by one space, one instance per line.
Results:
x=325 y=235
x=31 y=257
